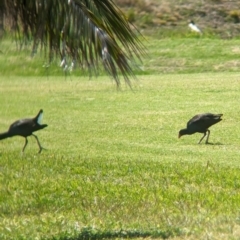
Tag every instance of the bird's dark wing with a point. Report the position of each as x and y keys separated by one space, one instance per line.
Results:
x=211 y=115
x=22 y=127
x=204 y=120
x=194 y=119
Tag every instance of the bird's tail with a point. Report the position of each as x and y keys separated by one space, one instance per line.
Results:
x=4 y=135
x=39 y=117
x=218 y=115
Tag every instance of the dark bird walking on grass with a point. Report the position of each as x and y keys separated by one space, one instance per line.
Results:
x=200 y=123
x=25 y=128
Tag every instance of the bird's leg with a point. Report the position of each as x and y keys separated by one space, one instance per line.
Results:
x=207 y=136
x=202 y=138
x=39 y=145
x=26 y=142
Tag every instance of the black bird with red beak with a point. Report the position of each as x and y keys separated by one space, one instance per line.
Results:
x=200 y=123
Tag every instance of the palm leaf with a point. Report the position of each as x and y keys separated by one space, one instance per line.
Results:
x=89 y=32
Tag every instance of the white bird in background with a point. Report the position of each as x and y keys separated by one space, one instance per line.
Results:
x=194 y=27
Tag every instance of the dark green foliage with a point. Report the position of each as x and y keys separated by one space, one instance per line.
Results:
x=86 y=32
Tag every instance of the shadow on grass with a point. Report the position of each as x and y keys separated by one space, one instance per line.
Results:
x=95 y=234
x=217 y=143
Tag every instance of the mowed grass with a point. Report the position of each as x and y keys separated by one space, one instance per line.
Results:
x=187 y=53
x=114 y=167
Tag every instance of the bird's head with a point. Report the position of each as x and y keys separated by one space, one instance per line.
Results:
x=182 y=132
x=179 y=134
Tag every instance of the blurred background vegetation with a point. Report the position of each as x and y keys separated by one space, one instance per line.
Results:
x=177 y=52
x=218 y=17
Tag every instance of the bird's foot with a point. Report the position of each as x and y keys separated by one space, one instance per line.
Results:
x=40 y=149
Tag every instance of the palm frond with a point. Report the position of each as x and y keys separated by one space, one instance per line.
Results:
x=89 y=32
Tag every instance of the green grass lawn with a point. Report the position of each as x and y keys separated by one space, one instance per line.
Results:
x=187 y=53
x=114 y=167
